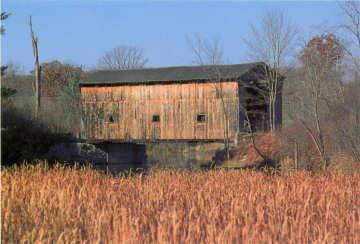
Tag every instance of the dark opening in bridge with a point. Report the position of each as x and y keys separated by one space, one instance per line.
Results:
x=156 y=118
x=112 y=118
x=201 y=118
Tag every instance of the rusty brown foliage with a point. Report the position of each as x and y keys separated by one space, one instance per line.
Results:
x=323 y=50
x=42 y=205
x=56 y=75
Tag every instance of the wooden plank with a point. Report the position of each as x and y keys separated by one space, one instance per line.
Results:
x=177 y=105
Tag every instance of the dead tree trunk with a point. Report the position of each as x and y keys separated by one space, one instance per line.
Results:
x=37 y=72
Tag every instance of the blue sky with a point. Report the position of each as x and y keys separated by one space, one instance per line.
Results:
x=81 y=31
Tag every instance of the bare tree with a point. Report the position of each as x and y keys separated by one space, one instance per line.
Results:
x=351 y=10
x=318 y=88
x=37 y=71
x=206 y=51
x=347 y=126
x=272 y=43
x=209 y=53
x=123 y=57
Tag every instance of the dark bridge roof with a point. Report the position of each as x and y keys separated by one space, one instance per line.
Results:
x=167 y=74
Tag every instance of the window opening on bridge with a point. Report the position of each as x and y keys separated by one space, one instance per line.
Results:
x=156 y=118
x=201 y=118
x=112 y=119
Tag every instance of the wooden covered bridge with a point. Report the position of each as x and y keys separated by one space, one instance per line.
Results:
x=130 y=108
x=192 y=103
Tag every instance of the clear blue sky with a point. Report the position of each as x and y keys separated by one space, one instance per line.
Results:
x=81 y=31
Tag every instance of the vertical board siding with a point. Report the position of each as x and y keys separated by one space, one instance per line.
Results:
x=133 y=107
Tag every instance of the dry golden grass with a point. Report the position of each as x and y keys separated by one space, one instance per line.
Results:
x=64 y=205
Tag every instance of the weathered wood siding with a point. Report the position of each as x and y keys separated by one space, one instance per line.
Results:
x=178 y=105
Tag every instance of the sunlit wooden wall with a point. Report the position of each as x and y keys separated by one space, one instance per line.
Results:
x=132 y=108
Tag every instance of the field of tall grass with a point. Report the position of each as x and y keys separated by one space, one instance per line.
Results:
x=61 y=205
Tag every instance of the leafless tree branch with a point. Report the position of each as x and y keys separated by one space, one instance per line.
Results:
x=123 y=57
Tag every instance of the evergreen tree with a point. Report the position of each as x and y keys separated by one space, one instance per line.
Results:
x=5 y=91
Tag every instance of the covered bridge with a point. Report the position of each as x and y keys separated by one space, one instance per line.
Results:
x=190 y=103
